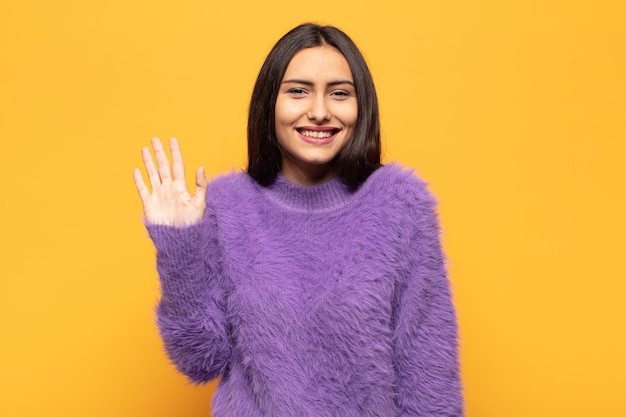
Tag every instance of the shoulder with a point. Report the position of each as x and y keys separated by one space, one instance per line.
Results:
x=399 y=184
x=231 y=188
x=404 y=198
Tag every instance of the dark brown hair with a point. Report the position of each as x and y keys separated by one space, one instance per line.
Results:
x=361 y=155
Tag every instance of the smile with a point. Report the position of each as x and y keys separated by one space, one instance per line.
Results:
x=314 y=134
x=318 y=135
x=323 y=133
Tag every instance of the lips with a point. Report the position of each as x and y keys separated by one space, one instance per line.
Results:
x=318 y=135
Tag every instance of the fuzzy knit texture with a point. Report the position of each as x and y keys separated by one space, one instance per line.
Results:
x=313 y=301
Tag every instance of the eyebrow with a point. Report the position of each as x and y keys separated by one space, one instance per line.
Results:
x=306 y=82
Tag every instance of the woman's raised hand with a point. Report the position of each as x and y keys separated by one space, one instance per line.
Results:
x=169 y=203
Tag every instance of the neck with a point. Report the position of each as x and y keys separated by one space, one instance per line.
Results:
x=310 y=175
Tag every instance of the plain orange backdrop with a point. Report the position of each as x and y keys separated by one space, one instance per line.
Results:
x=514 y=111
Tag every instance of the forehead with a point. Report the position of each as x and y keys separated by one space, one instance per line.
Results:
x=318 y=63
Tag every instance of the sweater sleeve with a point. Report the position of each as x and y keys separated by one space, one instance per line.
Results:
x=426 y=336
x=191 y=311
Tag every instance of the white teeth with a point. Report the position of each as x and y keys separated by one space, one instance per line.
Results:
x=316 y=134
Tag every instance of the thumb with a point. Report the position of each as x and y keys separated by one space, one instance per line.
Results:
x=201 y=185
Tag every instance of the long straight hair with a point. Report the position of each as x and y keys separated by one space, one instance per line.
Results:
x=361 y=155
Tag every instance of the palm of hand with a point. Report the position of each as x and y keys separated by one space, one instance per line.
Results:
x=169 y=203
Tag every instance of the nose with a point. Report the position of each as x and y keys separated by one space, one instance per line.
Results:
x=318 y=111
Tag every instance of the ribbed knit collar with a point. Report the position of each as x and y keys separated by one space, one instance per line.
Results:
x=324 y=197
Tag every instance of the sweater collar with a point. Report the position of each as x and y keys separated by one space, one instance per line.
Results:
x=327 y=196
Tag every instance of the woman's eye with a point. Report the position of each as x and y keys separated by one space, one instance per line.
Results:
x=341 y=93
x=296 y=91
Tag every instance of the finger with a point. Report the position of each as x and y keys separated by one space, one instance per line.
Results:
x=162 y=161
x=144 y=193
x=201 y=180
x=201 y=185
x=153 y=174
x=178 y=167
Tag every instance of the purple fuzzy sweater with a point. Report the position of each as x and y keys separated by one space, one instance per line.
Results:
x=313 y=301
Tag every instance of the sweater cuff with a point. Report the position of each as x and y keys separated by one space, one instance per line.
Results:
x=176 y=241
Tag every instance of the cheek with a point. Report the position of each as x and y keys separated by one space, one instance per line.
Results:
x=285 y=113
x=348 y=115
x=351 y=120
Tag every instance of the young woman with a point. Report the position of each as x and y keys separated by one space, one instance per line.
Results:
x=313 y=284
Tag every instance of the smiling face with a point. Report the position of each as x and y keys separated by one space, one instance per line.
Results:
x=316 y=113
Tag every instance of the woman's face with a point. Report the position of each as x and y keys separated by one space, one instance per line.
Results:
x=316 y=113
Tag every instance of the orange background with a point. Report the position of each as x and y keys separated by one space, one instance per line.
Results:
x=514 y=111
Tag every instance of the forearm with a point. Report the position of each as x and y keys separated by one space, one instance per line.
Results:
x=190 y=313
x=183 y=273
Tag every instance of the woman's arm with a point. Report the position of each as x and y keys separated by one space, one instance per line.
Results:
x=426 y=337
x=191 y=312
